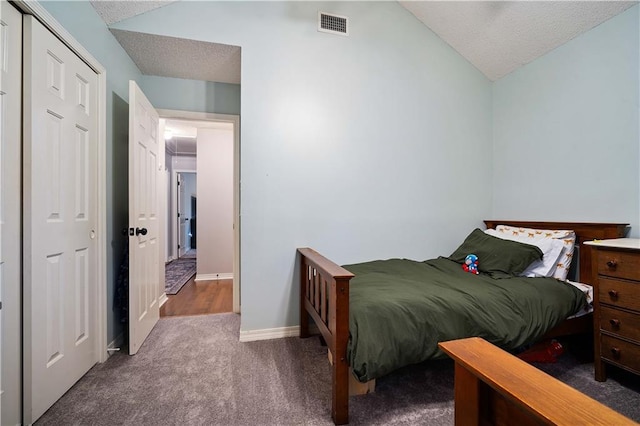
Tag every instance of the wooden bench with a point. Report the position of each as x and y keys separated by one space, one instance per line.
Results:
x=493 y=387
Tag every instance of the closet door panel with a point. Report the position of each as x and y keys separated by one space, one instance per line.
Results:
x=60 y=218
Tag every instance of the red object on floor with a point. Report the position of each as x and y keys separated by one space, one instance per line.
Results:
x=547 y=351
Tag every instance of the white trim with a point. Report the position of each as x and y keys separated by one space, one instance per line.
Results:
x=237 y=223
x=163 y=299
x=269 y=333
x=213 y=277
x=162 y=213
x=39 y=12
x=196 y=116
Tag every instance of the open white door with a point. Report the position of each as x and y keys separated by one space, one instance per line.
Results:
x=60 y=218
x=10 y=215
x=146 y=165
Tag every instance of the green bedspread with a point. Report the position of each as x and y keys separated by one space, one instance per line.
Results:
x=400 y=309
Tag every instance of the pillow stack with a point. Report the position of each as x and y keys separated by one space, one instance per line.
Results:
x=497 y=256
x=557 y=247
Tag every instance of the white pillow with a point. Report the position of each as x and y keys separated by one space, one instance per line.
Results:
x=567 y=237
x=551 y=252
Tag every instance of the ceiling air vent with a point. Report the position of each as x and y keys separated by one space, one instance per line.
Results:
x=335 y=24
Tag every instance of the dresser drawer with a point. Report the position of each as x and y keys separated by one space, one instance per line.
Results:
x=620 y=352
x=622 y=323
x=618 y=263
x=625 y=294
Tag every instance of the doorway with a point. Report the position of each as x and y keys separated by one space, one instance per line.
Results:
x=186 y=214
x=202 y=158
x=181 y=265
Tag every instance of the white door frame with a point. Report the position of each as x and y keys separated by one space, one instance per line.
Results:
x=168 y=114
x=175 y=232
x=39 y=12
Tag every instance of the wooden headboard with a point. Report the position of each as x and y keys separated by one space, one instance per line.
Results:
x=585 y=231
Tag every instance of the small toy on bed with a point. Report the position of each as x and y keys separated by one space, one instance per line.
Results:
x=471 y=264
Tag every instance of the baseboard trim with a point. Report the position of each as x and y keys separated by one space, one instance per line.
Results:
x=213 y=277
x=115 y=345
x=275 y=333
x=163 y=299
x=269 y=333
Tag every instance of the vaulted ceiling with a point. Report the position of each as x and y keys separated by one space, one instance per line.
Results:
x=497 y=37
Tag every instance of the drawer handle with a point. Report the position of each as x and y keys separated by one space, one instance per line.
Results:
x=615 y=323
x=615 y=352
x=612 y=263
x=613 y=294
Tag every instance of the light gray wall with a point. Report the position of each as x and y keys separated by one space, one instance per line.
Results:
x=191 y=95
x=215 y=201
x=566 y=131
x=184 y=163
x=369 y=146
x=84 y=24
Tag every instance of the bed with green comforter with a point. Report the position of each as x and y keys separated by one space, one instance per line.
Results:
x=400 y=309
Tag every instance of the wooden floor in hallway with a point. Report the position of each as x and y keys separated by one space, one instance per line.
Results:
x=200 y=298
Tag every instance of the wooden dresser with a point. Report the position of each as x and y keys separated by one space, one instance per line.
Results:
x=616 y=264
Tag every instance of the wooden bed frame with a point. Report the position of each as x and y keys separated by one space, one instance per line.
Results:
x=324 y=296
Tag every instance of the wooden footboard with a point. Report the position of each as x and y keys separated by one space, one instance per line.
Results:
x=495 y=388
x=324 y=295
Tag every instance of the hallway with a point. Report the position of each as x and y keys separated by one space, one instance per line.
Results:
x=200 y=298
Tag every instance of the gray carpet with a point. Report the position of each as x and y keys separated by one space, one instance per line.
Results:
x=177 y=273
x=193 y=371
x=190 y=254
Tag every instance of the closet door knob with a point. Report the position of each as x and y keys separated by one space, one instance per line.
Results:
x=140 y=231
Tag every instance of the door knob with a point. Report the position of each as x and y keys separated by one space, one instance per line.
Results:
x=140 y=231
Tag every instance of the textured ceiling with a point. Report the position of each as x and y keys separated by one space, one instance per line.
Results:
x=181 y=58
x=115 y=11
x=497 y=37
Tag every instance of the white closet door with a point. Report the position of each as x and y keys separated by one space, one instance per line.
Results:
x=146 y=164
x=10 y=119
x=60 y=218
